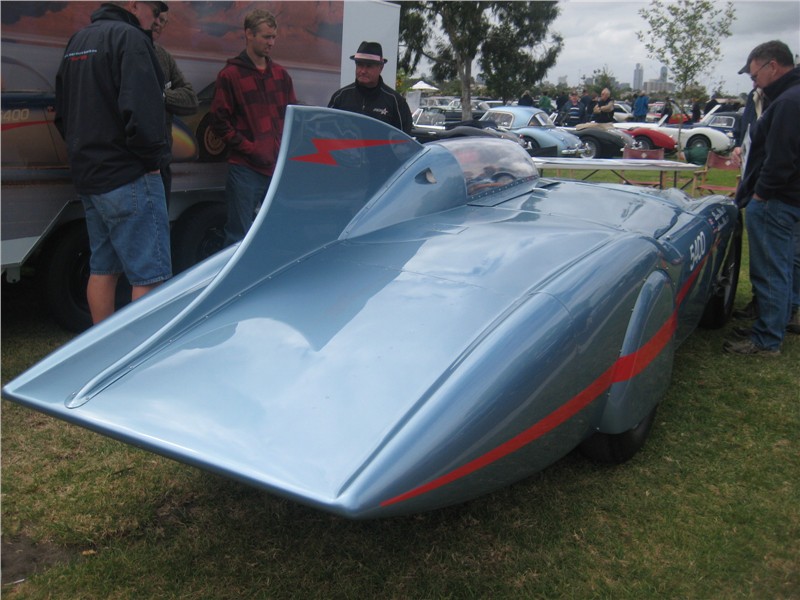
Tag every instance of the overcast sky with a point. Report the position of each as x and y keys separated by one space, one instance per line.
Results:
x=600 y=33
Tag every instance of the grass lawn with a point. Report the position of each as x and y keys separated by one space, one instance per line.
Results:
x=709 y=509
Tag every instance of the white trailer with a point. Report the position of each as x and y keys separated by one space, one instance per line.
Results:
x=43 y=230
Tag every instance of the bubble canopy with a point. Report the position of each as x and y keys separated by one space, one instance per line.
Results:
x=491 y=163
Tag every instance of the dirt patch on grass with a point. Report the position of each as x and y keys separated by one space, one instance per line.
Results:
x=22 y=557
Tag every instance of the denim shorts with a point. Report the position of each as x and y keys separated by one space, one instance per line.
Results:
x=129 y=231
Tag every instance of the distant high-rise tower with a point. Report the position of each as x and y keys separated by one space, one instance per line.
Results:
x=663 y=74
x=638 y=77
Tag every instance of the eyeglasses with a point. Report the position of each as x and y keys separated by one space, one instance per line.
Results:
x=754 y=76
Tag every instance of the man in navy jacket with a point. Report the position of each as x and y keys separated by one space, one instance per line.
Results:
x=110 y=111
x=770 y=189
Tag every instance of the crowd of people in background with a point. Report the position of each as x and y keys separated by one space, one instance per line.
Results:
x=640 y=103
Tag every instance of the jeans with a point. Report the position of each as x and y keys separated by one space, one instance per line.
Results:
x=771 y=229
x=245 y=190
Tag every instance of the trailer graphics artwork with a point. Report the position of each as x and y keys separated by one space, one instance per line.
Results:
x=42 y=220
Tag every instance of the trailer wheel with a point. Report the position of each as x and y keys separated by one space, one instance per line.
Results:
x=62 y=274
x=198 y=234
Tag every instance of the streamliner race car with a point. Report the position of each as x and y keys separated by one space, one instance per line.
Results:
x=406 y=326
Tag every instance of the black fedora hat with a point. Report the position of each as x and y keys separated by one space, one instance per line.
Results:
x=162 y=6
x=369 y=52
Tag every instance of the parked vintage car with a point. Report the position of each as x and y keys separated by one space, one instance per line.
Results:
x=602 y=140
x=725 y=121
x=535 y=127
x=622 y=112
x=478 y=106
x=406 y=326
x=648 y=138
x=654 y=113
x=686 y=136
x=430 y=126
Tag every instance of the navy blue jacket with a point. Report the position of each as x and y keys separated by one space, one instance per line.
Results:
x=110 y=103
x=773 y=163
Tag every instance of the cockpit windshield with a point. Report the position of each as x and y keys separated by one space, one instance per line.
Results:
x=491 y=164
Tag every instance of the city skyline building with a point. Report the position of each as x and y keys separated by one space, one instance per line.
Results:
x=638 y=76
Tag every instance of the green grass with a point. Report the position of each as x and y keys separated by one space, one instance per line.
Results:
x=709 y=509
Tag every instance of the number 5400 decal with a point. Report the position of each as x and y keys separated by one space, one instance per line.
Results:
x=697 y=250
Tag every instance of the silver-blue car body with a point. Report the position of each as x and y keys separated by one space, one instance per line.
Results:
x=535 y=127
x=405 y=326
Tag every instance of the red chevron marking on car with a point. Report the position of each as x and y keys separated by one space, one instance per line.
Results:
x=324 y=148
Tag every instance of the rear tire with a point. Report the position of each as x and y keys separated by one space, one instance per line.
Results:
x=620 y=447
x=719 y=309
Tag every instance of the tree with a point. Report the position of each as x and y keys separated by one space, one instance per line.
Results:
x=603 y=78
x=685 y=36
x=515 y=55
x=466 y=28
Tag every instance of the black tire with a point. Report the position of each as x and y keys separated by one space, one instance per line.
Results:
x=645 y=142
x=532 y=143
x=209 y=144
x=620 y=447
x=699 y=141
x=719 y=309
x=198 y=234
x=62 y=274
x=592 y=147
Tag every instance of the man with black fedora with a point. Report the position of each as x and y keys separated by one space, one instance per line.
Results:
x=368 y=94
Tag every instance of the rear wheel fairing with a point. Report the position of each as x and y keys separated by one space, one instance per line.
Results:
x=647 y=356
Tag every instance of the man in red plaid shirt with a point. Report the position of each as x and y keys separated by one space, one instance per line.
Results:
x=248 y=110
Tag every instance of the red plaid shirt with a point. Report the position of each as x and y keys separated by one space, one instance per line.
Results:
x=248 y=111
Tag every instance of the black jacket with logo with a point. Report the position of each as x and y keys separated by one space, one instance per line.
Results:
x=380 y=102
x=110 y=103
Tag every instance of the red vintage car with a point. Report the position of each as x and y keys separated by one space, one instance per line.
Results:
x=649 y=138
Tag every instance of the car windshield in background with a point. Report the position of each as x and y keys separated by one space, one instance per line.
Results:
x=541 y=119
x=491 y=164
x=429 y=118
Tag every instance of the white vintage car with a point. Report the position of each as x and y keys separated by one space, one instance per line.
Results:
x=689 y=135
